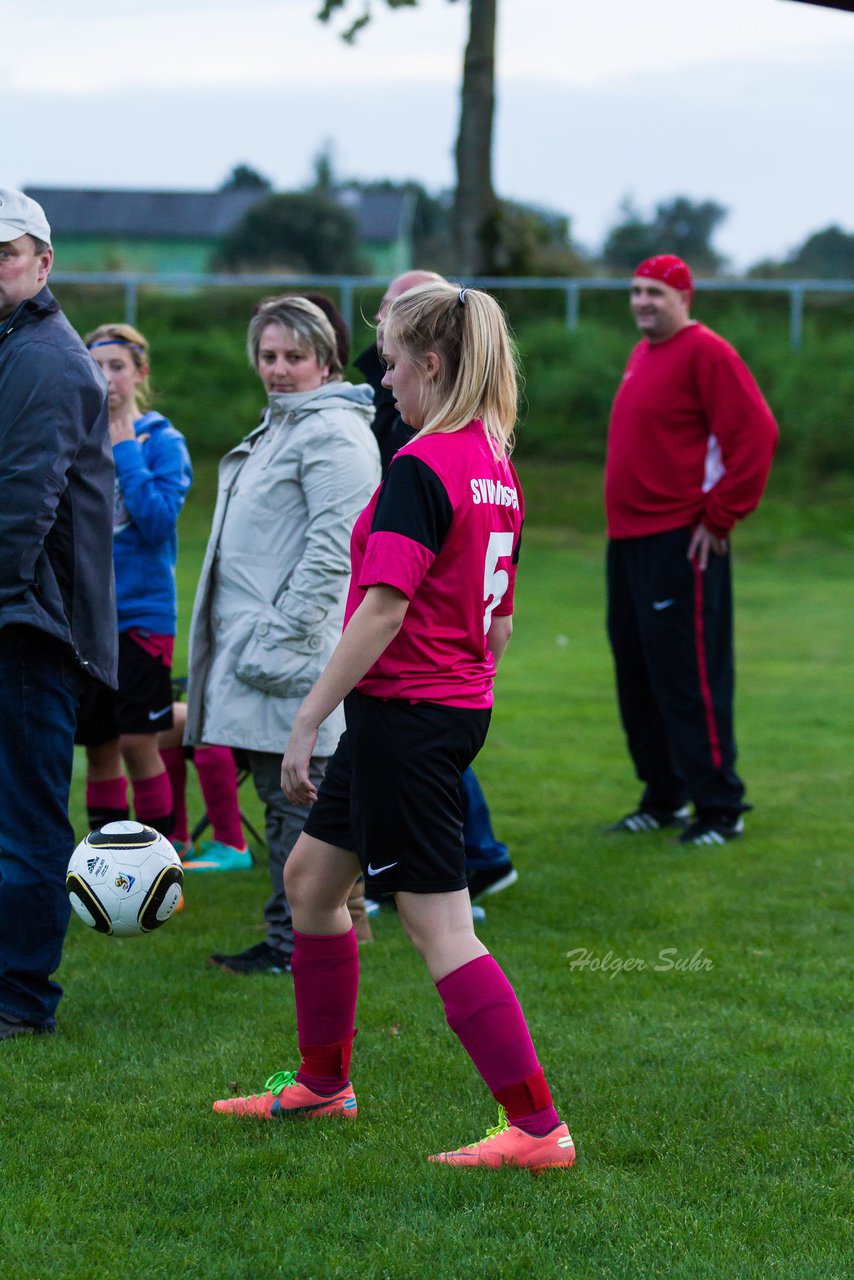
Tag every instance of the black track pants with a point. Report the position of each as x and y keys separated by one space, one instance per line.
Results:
x=670 y=628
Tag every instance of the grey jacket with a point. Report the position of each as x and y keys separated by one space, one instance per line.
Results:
x=56 y=487
x=270 y=601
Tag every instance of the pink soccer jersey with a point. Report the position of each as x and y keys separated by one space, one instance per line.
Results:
x=444 y=528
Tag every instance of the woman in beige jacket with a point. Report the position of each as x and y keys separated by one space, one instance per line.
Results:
x=270 y=600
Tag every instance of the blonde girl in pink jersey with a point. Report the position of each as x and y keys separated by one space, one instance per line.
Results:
x=428 y=617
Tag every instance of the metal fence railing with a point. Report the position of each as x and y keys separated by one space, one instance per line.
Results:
x=349 y=286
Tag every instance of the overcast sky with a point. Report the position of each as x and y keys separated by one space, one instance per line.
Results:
x=748 y=102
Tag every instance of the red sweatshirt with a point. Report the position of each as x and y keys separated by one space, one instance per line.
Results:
x=691 y=438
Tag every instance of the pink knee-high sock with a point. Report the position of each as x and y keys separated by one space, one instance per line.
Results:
x=106 y=801
x=152 y=802
x=326 y=983
x=176 y=767
x=482 y=1010
x=218 y=780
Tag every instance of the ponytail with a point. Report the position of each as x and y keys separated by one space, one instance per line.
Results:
x=478 y=375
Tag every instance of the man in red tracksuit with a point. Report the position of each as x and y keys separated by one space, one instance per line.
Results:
x=690 y=444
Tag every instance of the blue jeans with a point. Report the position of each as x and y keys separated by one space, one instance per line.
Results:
x=482 y=848
x=39 y=685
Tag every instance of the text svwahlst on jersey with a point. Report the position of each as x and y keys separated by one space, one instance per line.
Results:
x=495 y=493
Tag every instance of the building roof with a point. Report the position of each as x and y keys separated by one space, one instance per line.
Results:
x=382 y=216
x=188 y=215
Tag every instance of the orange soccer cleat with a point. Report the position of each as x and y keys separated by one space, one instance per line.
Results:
x=285 y=1097
x=505 y=1145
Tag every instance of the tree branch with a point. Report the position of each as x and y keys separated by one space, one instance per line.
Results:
x=331 y=7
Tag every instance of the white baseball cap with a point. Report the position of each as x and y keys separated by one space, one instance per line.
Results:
x=21 y=216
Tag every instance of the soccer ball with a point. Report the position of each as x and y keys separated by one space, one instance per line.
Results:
x=125 y=879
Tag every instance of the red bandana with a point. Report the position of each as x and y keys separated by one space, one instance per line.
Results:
x=670 y=270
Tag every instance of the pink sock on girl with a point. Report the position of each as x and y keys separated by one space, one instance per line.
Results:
x=106 y=801
x=218 y=779
x=482 y=1010
x=176 y=767
x=326 y=983
x=152 y=802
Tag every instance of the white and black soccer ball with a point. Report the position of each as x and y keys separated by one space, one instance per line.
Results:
x=125 y=879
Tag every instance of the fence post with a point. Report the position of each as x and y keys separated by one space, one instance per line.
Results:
x=796 y=317
x=130 y=302
x=573 y=300
x=347 y=303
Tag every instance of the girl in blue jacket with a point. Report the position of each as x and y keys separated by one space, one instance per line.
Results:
x=153 y=474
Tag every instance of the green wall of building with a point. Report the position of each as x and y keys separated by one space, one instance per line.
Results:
x=82 y=253
x=192 y=257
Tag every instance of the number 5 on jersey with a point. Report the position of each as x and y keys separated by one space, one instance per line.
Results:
x=495 y=580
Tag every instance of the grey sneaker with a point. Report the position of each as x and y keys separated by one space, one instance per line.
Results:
x=710 y=831
x=643 y=820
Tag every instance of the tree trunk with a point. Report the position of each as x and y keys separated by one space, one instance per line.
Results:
x=475 y=211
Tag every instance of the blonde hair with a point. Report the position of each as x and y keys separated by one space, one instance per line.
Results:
x=124 y=335
x=467 y=330
x=302 y=318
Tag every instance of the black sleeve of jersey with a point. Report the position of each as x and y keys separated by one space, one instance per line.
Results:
x=414 y=502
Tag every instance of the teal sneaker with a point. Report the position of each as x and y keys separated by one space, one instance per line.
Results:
x=215 y=856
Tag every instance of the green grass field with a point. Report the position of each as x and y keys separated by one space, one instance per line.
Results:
x=705 y=1082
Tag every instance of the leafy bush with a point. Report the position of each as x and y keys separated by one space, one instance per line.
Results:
x=202 y=381
x=570 y=379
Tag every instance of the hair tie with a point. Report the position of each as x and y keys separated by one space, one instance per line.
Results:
x=463 y=293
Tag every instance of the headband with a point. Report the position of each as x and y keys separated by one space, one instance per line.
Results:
x=116 y=342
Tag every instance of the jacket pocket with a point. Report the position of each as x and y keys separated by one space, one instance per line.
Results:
x=279 y=664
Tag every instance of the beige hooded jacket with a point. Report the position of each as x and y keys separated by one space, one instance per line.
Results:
x=270 y=601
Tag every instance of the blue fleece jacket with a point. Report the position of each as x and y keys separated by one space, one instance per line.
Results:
x=153 y=474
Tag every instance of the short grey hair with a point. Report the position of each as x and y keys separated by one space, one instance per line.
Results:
x=301 y=318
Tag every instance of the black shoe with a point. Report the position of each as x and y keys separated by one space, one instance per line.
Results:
x=644 y=820
x=715 y=830
x=11 y=1027
x=491 y=880
x=262 y=958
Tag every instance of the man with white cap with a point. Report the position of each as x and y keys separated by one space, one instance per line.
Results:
x=57 y=605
